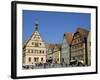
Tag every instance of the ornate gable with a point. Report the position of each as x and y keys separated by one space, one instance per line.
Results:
x=35 y=40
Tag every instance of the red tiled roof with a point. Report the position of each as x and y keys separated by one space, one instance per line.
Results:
x=68 y=37
x=58 y=45
x=48 y=45
x=83 y=32
x=53 y=46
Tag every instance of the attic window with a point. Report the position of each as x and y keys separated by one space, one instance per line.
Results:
x=36 y=44
x=32 y=43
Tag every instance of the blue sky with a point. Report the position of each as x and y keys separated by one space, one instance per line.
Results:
x=52 y=25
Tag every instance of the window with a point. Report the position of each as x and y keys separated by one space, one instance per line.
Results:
x=36 y=44
x=77 y=35
x=76 y=46
x=74 y=41
x=73 y=58
x=46 y=51
x=32 y=43
x=73 y=47
x=58 y=59
x=40 y=43
x=28 y=51
x=62 y=59
x=31 y=51
x=29 y=59
x=42 y=51
x=36 y=51
x=81 y=57
x=41 y=59
x=36 y=59
x=78 y=40
x=81 y=44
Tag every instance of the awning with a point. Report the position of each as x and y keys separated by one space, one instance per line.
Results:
x=72 y=60
x=81 y=61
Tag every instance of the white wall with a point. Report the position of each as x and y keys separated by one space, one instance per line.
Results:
x=5 y=40
x=65 y=51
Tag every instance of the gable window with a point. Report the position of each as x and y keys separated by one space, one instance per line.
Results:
x=32 y=43
x=36 y=44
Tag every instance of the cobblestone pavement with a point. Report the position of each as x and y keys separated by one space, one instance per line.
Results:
x=44 y=66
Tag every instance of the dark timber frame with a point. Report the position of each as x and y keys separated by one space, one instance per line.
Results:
x=14 y=38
